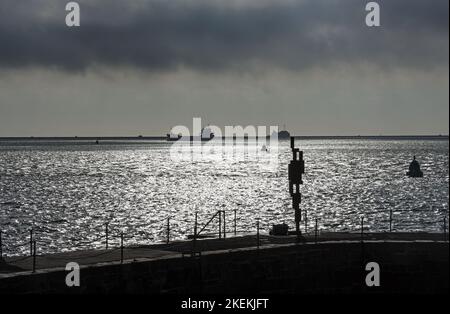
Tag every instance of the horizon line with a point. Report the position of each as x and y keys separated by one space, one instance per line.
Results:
x=159 y=137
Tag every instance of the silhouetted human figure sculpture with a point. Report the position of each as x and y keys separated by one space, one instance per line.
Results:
x=414 y=169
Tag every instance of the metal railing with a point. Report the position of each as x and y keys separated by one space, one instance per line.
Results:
x=222 y=231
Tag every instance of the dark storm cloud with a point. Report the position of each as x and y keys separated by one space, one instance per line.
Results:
x=215 y=35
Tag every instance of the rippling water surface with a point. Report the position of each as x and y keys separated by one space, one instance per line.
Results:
x=67 y=191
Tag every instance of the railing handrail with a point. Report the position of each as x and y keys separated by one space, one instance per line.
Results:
x=364 y=227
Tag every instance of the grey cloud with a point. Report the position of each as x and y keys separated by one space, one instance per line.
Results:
x=159 y=35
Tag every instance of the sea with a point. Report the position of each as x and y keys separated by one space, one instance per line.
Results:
x=70 y=191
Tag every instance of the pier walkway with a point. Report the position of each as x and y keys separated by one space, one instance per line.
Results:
x=180 y=248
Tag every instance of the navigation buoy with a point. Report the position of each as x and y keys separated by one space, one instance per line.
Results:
x=414 y=169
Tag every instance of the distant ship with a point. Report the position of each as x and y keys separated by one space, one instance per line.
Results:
x=282 y=135
x=205 y=135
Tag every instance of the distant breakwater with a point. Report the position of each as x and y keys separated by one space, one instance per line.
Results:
x=298 y=137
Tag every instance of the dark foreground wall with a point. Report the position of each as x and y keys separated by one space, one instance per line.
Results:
x=406 y=267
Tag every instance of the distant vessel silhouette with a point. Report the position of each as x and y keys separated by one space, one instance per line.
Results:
x=414 y=169
x=282 y=135
x=205 y=135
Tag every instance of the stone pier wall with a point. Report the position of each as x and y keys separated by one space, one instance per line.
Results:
x=406 y=267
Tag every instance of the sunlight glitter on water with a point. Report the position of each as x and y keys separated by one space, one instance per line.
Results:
x=67 y=192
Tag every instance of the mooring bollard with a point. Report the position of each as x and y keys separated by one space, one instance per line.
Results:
x=390 y=220
x=31 y=242
x=362 y=229
x=121 y=247
x=106 y=235
x=257 y=234
x=168 y=230
x=34 y=256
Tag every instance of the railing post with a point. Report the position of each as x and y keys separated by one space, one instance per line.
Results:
x=224 y=226
x=121 y=247
x=235 y=230
x=194 y=243
x=34 y=256
x=445 y=228
x=1 y=246
x=257 y=234
x=306 y=221
x=220 y=225
x=31 y=242
x=106 y=235
x=390 y=220
x=168 y=230
x=362 y=229
x=316 y=231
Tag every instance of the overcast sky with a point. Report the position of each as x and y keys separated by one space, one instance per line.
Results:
x=143 y=66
